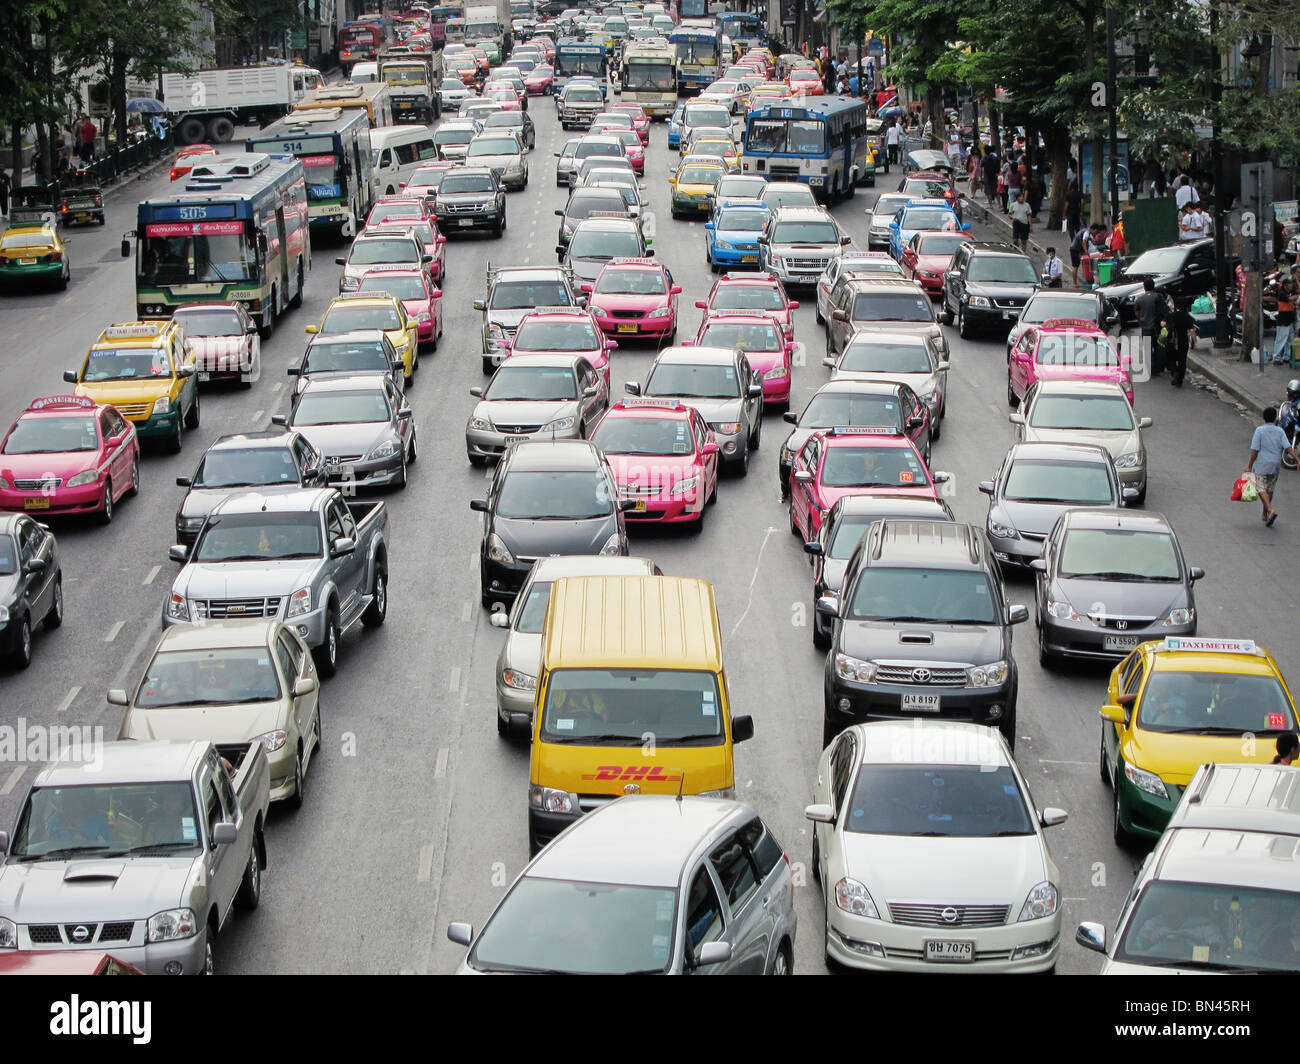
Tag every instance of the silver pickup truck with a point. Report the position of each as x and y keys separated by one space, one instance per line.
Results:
x=308 y=558
x=144 y=859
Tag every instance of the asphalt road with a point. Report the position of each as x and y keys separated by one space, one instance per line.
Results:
x=415 y=814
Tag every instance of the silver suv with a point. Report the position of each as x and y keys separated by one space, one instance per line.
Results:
x=686 y=884
x=799 y=243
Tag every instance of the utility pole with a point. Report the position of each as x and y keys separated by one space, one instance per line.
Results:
x=1112 y=102
x=1222 y=330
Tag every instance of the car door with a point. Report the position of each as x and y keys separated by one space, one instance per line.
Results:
x=403 y=414
x=703 y=919
x=36 y=544
x=1020 y=369
x=748 y=928
x=751 y=407
x=918 y=433
x=294 y=665
x=844 y=759
x=1198 y=271
x=952 y=281
x=908 y=259
x=824 y=285
x=349 y=569
x=1131 y=674
x=182 y=355
x=801 y=493
x=592 y=406
x=840 y=327
x=224 y=865
x=118 y=457
x=709 y=459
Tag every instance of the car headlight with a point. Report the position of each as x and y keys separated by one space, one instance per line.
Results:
x=775 y=260
x=385 y=450
x=1062 y=611
x=993 y=674
x=775 y=373
x=787 y=454
x=8 y=933
x=349 y=282
x=660 y=312
x=979 y=301
x=189 y=524
x=852 y=897
x=1181 y=615
x=172 y=924
x=4 y=614
x=601 y=312
x=481 y=423
x=1132 y=460
x=162 y=404
x=1043 y=901
x=847 y=668
x=424 y=315
x=726 y=792
x=273 y=740
x=1145 y=781
x=549 y=800
x=497 y=551
x=520 y=681
x=299 y=603
x=88 y=477
x=613 y=547
x=1002 y=531
x=727 y=428
x=687 y=484
x=177 y=608
x=560 y=424
x=725 y=245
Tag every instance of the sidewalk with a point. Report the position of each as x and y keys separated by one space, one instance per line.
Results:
x=1236 y=381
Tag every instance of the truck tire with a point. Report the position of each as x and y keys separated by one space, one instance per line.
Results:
x=327 y=654
x=191 y=130
x=378 y=608
x=250 y=887
x=220 y=130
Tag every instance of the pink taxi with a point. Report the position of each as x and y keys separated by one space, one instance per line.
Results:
x=505 y=96
x=67 y=455
x=759 y=334
x=634 y=297
x=404 y=208
x=1065 y=349
x=424 y=182
x=855 y=460
x=640 y=120
x=426 y=232
x=539 y=80
x=664 y=457
x=423 y=302
x=751 y=291
x=561 y=331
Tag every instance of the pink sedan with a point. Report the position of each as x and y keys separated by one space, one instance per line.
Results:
x=505 y=96
x=640 y=120
x=1065 y=349
x=423 y=302
x=538 y=81
x=634 y=297
x=759 y=334
x=561 y=331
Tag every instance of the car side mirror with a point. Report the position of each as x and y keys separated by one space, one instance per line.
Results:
x=840 y=314
x=116 y=697
x=676 y=290
x=590 y=393
x=34 y=565
x=627 y=505
x=251 y=328
x=870 y=215
x=1017 y=613
x=966 y=228
x=632 y=387
x=1016 y=419
x=478 y=505
x=499 y=619
x=915 y=421
x=742 y=728
x=476 y=392
x=790 y=417
x=480 y=304
x=814 y=548
x=846 y=239
x=293 y=371
x=713 y=953
x=342 y=545
x=1091 y=936
x=709 y=227
x=225 y=834
x=183 y=482
x=460 y=933
x=1195 y=573
x=754 y=391
x=1039 y=565
x=1145 y=422
x=1051 y=817
x=821 y=813
x=559 y=213
x=986 y=486
x=70 y=375
x=178 y=552
x=340 y=262
x=397 y=366
x=303 y=686
x=280 y=419
x=560 y=249
x=1129 y=494
x=940 y=476
x=311 y=330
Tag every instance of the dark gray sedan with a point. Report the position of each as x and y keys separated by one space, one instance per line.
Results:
x=31 y=585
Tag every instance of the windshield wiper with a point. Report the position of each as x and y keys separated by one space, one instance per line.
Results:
x=163 y=847
x=1206 y=729
x=237 y=558
x=210 y=702
x=1034 y=498
x=1106 y=574
x=608 y=737
x=65 y=851
x=1211 y=966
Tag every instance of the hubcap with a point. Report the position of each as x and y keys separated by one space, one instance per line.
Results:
x=58 y=600
x=254 y=870
x=108 y=500
x=135 y=473
x=334 y=645
x=27 y=639
x=381 y=595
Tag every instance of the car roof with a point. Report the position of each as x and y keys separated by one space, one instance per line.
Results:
x=302 y=500
x=129 y=761
x=608 y=225
x=267 y=438
x=893 y=506
x=354 y=336
x=793 y=213
x=1231 y=857
x=1082 y=386
x=217 y=635
x=357 y=383
x=1123 y=520
x=873 y=337
x=1243 y=797
x=644 y=839
x=1059 y=451
x=992 y=247
x=530 y=273
x=702 y=355
x=553 y=455
x=929 y=742
x=881 y=284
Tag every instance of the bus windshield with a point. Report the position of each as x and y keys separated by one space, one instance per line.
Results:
x=643 y=75
x=570 y=65
x=702 y=51
x=321 y=174
x=793 y=135
x=189 y=257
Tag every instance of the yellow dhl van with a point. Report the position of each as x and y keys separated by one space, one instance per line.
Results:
x=631 y=698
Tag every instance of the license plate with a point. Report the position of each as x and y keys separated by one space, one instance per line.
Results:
x=1006 y=315
x=921 y=703
x=748 y=258
x=26 y=262
x=639 y=506
x=36 y=502
x=464 y=223
x=515 y=439
x=205 y=376
x=1119 y=642
x=627 y=328
x=949 y=951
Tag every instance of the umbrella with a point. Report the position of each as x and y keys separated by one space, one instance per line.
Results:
x=889 y=112
x=145 y=105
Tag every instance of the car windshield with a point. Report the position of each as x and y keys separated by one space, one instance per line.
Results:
x=454 y=184
x=347 y=356
x=645 y=435
x=578 y=495
x=827 y=409
x=209 y=322
x=775 y=198
x=585 y=204
x=930 y=218
x=708 y=115
x=893 y=306
x=373 y=252
x=745 y=220
x=949 y=801
x=1079 y=483
x=583 y=95
x=444 y=137
x=342 y=408
x=869 y=356
x=694 y=381
x=106 y=820
x=532 y=611
x=406 y=286
x=246 y=467
x=760 y=337
x=747 y=297
x=1119 y=554
x=864 y=466
x=631 y=283
x=1043 y=308
x=618 y=706
x=480 y=146
x=940 y=243
x=259 y=537
x=1094 y=413
x=393 y=212
x=52 y=435
x=741 y=187
x=556 y=336
x=1211 y=702
x=699 y=175
x=805 y=233
x=524 y=295
x=126 y=363
x=848 y=531
x=1073 y=349
x=1157 y=261
x=598 y=244
x=886 y=207
x=342 y=318
x=222 y=677
x=556 y=925
x=532 y=383
x=454 y=85
x=1214 y=926
x=927 y=188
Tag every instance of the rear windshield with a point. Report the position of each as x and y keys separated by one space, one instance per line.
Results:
x=892 y=306
x=866 y=356
x=1095 y=413
x=559 y=496
x=694 y=382
x=828 y=409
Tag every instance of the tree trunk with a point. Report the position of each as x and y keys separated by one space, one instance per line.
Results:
x=995 y=130
x=1057 y=139
x=1090 y=66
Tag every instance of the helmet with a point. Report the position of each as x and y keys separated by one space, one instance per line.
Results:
x=1293 y=389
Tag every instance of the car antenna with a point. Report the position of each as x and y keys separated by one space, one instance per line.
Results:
x=681 y=782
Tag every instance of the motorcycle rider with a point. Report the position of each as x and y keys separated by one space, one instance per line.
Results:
x=1288 y=416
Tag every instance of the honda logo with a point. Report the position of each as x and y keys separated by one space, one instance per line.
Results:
x=1121 y=625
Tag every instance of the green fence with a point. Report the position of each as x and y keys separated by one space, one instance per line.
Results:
x=114 y=164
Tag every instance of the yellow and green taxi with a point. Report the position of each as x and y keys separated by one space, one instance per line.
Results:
x=723 y=147
x=33 y=253
x=366 y=313
x=1175 y=704
x=146 y=370
x=694 y=183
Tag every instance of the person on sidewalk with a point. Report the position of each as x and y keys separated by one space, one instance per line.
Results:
x=1021 y=222
x=1267 y=447
x=1182 y=337
x=891 y=143
x=86 y=135
x=1053 y=270
x=1077 y=246
x=1286 y=291
x=1186 y=192
x=1152 y=310
x=5 y=186
x=992 y=172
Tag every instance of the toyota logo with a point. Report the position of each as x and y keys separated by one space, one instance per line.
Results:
x=920 y=675
x=949 y=915
x=81 y=933
x=632 y=788
x=1121 y=625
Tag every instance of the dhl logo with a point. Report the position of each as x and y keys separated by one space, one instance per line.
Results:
x=640 y=773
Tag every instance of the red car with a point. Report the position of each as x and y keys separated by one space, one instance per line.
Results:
x=759 y=334
x=640 y=120
x=397 y=209
x=424 y=182
x=931 y=184
x=562 y=331
x=63 y=962
x=805 y=82
x=927 y=256
x=857 y=460
x=67 y=455
x=634 y=297
x=664 y=457
x=505 y=96
x=632 y=145
x=423 y=302
x=751 y=291
x=187 y=158
x=539 y=80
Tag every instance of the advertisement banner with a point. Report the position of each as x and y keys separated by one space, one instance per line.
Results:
x=195 y=229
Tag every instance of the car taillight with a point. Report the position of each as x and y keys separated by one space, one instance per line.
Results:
x=54 y=256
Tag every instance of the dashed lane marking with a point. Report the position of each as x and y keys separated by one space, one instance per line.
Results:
x=69 y=698
x=114 y=631
x=150 y=577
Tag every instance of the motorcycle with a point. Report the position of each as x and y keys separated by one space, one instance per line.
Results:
x=1288 y=419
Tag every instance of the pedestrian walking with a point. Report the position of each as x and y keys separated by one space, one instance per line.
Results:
x=87 y=134
x=1053 y=270
x=1182 y=336
x=954 y=145
x=1267 y=447
x=973 y=162
x=1186 y=192
x=1288 y=748
x=1286 y=291
x=1152 y=309
x=891 y=142
x=1013 y=183
x=1003 y=170
x=5 y=186
x=992 y=172
x=1078 y=244
x=1021 y=222
x=1185 y=231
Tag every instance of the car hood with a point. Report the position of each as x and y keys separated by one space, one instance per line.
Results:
x=1000 y=289
x=357 y=438
x=66 y=464
x=218 y=345
x=95 y=890
x=912 y=328
x=997 y=871
x=199 y=502
x=1079 y=373
x=521 y=412
x=136 y=390
x=1121 y=598
x=955 y=645
x=221 y=580
x=217 y=724
x=933 y=263
x=543 y=539
x=1117 y=443
x=1175 y=757
x=1037 y=518
x=644 y=470
x=498 y=162
x=643 y=304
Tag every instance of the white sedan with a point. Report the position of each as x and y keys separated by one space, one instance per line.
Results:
x=930 y=853
x=452 y=93
x=726 y=91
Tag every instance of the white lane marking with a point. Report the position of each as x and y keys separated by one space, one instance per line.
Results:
x=277 y=386
x=473 y=562
x=11 y=781
x=257 y=416
x=440 y=765
x=1043 y=761
x=453 y=679
x=466 y=612
x=69 y=698
x=425 y=870
x=113 y=632
x=754 y=579
x=152 y=573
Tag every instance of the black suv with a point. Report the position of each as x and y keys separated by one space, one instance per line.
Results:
x=922 y=629
x=1180 y=271
x=471 y=197
x=987 y=286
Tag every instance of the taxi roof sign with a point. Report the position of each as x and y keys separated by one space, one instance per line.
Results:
x=865 y=430
x=753 y=278
x=51 y=402
x=662 y=404
x=1205 y=645
x=556 y=310
x=633 y=261
x=1071 y=323
x=139 y=330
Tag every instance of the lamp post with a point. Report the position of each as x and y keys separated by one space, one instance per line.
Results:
x=1112 y=92
x=1222 y=339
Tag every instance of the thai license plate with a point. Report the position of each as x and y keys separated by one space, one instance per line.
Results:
x=627 y=328
x=205 y=376
x=639 y=506
x=515 y=439
x=1119 y=642
x=949 y=950
x=464 y=223
x=1006 y=315
x=915 y=703
x=36 y=502
x=748 y=258
x=26 y=262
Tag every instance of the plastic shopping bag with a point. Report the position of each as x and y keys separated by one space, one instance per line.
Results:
x=1250 y=492
x=1240 y=486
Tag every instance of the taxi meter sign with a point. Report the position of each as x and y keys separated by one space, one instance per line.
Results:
x=51 y=401
x=1201 y=645
x=138 y=331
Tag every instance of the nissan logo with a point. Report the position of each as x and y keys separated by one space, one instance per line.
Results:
x=920 y=675
x=949 y=915
x=81 y=933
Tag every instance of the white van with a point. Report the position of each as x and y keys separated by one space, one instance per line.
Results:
x=363 y=72
x=398 y=151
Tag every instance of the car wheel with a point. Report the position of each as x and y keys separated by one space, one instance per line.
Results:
x=209 y=959
x=756 y=440
x=1102 y=768
x=794 y=525
x=378 y=608
x=1141 y=497
x=327 y=654
x=820 y=320
x=399 y=482
x=64 y=278
x=296 y=301
x=411 y=453
x=1013 y=400
x=55 y=617
x=1117 y=829
x=781 y=962
x=192 y=418
x=294 y=801
x=926 y=456
x=945 y=315
x=489 y=365
x=134 y=489
x=177 y=439
x=1046 y=658
x=267 y=325
x=742 y=467
x=250 y=887
x=21 y=656
x=821 y=639
x=963 y=328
